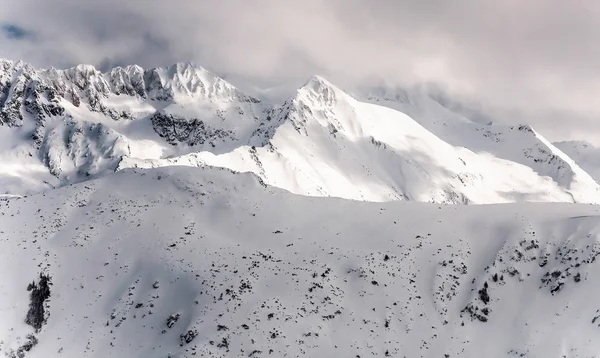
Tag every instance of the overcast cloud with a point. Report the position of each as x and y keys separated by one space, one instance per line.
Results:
x=537 y=59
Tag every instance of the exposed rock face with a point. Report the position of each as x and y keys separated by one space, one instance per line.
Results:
x=40 y=292
x=66 y=114
x=193 y=131
x=82 y=148
x=129 y=81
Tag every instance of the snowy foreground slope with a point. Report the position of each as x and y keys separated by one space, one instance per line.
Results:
x=59 y=127
x=182 y=262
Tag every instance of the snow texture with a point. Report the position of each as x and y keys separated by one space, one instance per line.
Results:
x=184 y=262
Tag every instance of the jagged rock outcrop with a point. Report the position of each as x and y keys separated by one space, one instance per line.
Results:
x=67 y=114
x=176 y=130
x=39 y=92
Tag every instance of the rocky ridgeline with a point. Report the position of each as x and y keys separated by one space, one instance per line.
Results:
x=47 y=105
x=24 y=89
x=176 y=129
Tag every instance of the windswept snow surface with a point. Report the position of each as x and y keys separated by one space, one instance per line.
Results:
x=60 y=127
x=182 y=262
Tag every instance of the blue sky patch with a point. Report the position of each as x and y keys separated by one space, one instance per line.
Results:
x=15 y=32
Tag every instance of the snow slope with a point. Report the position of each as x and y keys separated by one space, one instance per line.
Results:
x=182 y=262
x=585 y=154
x=66 y=126
x=474 y=130
x=324 y=142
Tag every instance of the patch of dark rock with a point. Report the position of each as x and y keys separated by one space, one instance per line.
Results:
x=557 y=288
x=483 y=294
x=512 y=271
x=40 y=292
x=473 y=311
x=187 y=337
x=192 y=131
x=172 y=319
x=31 y=342
x=224 y=344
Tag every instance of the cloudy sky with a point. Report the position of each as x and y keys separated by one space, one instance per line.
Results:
x=536 y=60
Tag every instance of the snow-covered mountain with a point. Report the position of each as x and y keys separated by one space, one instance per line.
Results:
x=64 y=126
x=153 y=244
x=585 y=154
x=183 y=262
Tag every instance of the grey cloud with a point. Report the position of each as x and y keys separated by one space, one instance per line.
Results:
x=534 y=60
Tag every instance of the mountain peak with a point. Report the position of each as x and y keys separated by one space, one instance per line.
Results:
x=185 y=68
x=318 y=84
x=319 y=91
x=6 y=63
x=20 y=66
x=182 y=66
x=85 y=68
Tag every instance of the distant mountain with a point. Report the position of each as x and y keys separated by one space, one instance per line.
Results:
x=64 y=126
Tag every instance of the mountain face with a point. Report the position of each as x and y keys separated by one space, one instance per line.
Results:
x=190 y=262
x=63 y=126
x=585 y=154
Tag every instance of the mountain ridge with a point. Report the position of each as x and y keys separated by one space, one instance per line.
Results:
x=321 y=141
